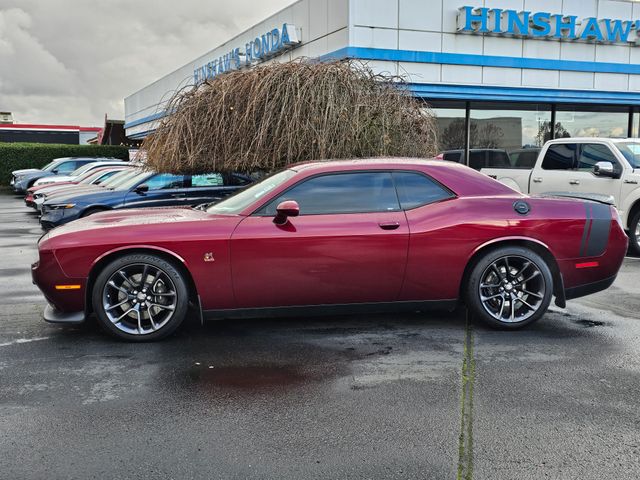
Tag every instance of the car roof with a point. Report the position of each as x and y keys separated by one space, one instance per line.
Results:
x=394 y=163
x=591 y=139
x=462 y=180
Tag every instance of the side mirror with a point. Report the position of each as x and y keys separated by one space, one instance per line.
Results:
x=143 y=188
x=286 y=209
x=604 y=169
x=55 y=170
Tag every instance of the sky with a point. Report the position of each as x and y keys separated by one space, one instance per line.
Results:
x=72 y=61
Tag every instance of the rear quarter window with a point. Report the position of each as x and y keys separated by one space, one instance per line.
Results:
x=561 y=156
x=415 y=190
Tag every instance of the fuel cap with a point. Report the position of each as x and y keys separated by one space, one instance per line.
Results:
x=521 y=207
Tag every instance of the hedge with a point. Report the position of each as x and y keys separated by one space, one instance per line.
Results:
x=14 y=156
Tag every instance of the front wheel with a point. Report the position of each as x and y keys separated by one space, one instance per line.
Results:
x=634 y=233
x=509 y=287
x=140 y=297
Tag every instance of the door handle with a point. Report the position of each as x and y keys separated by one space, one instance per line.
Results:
x=574 y=182
x=631 y=182
x=537 y=180
x=178 y=195
x=389 y=225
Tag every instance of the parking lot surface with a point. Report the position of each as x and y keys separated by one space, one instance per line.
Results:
x=386 y=396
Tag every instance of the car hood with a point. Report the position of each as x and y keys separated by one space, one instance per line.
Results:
x=142 y=226
x=60 y=178
x=35 y=174
x=70 y=190
x=89 y=196
x=24 y=170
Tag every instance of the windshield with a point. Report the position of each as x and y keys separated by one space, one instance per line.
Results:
x=50 y=166
x=119 y=178
x=131 y=181
x=88 y=176
x=81 y=170
x=241 y=200
x=631 y=151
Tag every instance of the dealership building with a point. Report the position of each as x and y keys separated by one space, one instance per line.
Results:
x=498 y=74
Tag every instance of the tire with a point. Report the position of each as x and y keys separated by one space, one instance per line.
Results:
x=137 y=311
x=91 y=211
x=498 y=298
x=634 y=233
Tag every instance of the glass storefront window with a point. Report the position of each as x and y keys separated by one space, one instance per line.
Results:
x=450 y=120
x=592 y=121
x=635 y=123
x=507 y=135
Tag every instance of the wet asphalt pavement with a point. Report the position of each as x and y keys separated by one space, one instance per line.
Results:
x=408 y=396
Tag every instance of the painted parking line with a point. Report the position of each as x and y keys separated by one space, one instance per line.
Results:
x=23 y=340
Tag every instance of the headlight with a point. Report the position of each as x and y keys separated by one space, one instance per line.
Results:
x=61 y=206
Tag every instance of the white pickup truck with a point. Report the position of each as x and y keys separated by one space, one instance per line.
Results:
x=600 y=166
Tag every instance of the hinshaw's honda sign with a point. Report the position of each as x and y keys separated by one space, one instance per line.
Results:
x=261 y=48
x=498 y=21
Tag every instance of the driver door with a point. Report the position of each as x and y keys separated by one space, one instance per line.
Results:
x=349 y=245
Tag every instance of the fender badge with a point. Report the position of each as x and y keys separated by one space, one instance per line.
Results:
x=521 y=207
x=208 y=257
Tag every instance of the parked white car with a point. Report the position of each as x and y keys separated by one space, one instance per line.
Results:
x=106 y=162
x=601 y=166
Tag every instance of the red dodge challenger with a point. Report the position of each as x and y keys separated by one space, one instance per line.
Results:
x=333 y=237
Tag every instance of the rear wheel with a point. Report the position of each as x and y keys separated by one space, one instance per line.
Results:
x=634 y=233
x=140 y=297
x=509 y=287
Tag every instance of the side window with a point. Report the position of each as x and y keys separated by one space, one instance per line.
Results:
x=498 y=159
x=239 y=180
x=105 y=176
x=341 y=193
x=164 y=181
x=207 y=180
x=415 y=190
x=452 y=156
x=592 y=153
x=66 y=167
x=526 y=159
x=561 y=156
x=477 y=159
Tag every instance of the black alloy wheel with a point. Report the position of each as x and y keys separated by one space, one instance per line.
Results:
x=509 y=287
x=140 y=297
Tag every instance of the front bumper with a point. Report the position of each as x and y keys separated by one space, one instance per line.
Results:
x=52 y=218
x=52 y=315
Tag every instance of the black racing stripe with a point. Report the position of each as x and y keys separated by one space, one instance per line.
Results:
x=599 y=236
x=585 y=233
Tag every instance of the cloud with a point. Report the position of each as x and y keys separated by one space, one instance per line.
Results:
x=72 y=61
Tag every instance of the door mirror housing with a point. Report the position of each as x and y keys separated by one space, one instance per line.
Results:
x=286 y=209
x=604 y=169
x=142 y=188
x=55 y=170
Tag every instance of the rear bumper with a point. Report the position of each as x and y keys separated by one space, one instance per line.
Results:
x=589 y=288
x=52 y=315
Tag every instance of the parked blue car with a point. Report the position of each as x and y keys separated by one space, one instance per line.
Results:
x=146 y=189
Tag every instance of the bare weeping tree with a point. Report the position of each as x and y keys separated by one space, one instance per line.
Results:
x=274 y=115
